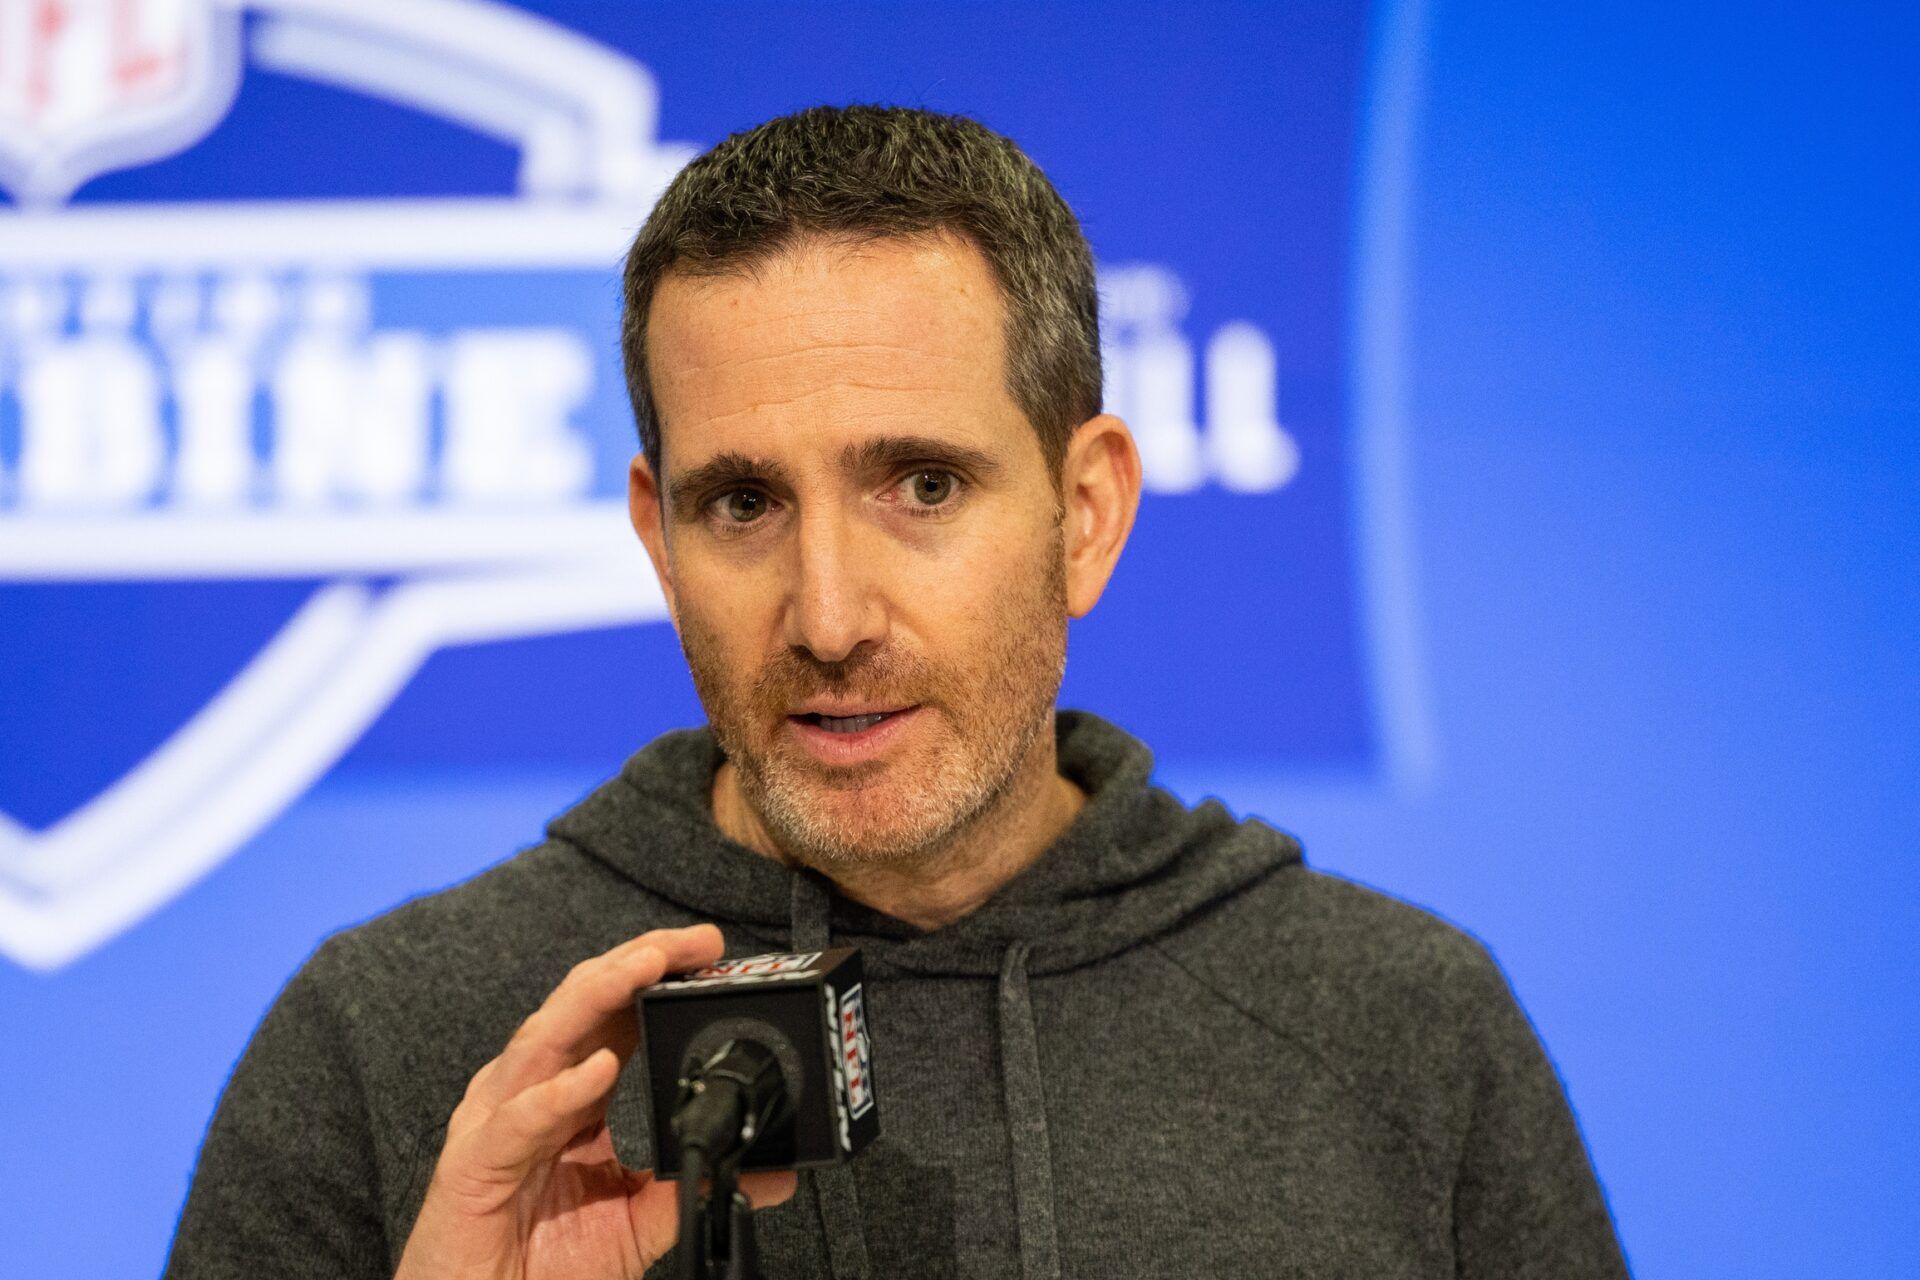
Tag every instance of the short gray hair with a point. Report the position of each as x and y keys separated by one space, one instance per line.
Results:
x=868 y=171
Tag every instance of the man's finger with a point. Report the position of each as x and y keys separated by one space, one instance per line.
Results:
x=537 y=1123
x=591 y=1008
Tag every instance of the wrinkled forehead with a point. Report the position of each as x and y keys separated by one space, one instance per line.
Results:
x=829 y=338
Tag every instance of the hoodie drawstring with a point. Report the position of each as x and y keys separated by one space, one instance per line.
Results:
x=833 y=1188
x=1027 y=1122
x=1032 y=1150
x=811 y=909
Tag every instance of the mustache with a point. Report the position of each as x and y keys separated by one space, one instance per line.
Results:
x=889 y=676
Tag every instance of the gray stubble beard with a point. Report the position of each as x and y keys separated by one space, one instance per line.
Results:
x=948 y=804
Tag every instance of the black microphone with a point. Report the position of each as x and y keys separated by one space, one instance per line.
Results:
x=775 y=1048
x=730 y=1100
x=727 y=1103
x=761 y=1063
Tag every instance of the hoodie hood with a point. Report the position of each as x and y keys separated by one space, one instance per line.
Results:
x=1135 y=863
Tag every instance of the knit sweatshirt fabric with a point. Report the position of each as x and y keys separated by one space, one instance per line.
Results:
x=1167 y=1048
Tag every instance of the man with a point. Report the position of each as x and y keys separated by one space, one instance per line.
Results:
x=1117 y=1036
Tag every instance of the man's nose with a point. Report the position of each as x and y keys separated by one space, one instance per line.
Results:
x=835 y=602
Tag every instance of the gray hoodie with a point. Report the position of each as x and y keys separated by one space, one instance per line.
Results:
x=1166 y=1049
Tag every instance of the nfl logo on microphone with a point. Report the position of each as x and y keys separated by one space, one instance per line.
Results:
x=266 y=455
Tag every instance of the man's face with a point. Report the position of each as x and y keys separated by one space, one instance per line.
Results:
x=862 y=539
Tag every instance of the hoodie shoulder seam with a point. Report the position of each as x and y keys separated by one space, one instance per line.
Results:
x=1313 y=1055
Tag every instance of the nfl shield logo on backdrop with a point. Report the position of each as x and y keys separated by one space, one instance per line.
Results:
x=264 y=453
x=92 y=85
x=260 y=459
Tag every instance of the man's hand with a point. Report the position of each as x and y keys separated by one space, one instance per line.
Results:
x=527 y=1186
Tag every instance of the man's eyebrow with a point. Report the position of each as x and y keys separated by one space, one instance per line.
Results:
x=721 y=469
x=887 y=452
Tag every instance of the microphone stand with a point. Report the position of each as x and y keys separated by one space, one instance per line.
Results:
x=725 y=1104
x=721 y=1244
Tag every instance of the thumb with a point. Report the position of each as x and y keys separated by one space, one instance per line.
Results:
x=767 y=1189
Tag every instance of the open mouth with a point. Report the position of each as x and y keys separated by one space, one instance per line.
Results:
x=848 y=724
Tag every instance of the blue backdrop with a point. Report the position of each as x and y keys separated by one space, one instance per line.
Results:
x=1528 y=400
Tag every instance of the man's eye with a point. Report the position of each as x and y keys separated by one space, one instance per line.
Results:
x=744 y=506
x=931 y=488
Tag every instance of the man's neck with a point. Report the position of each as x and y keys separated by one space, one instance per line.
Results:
x=944 y=886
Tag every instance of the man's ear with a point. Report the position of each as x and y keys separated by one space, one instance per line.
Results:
x=1099 y=494
x=646 y=507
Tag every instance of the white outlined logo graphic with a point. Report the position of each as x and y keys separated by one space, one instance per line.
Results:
x=140 y=340
x=229 y=391
x=92 y=85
